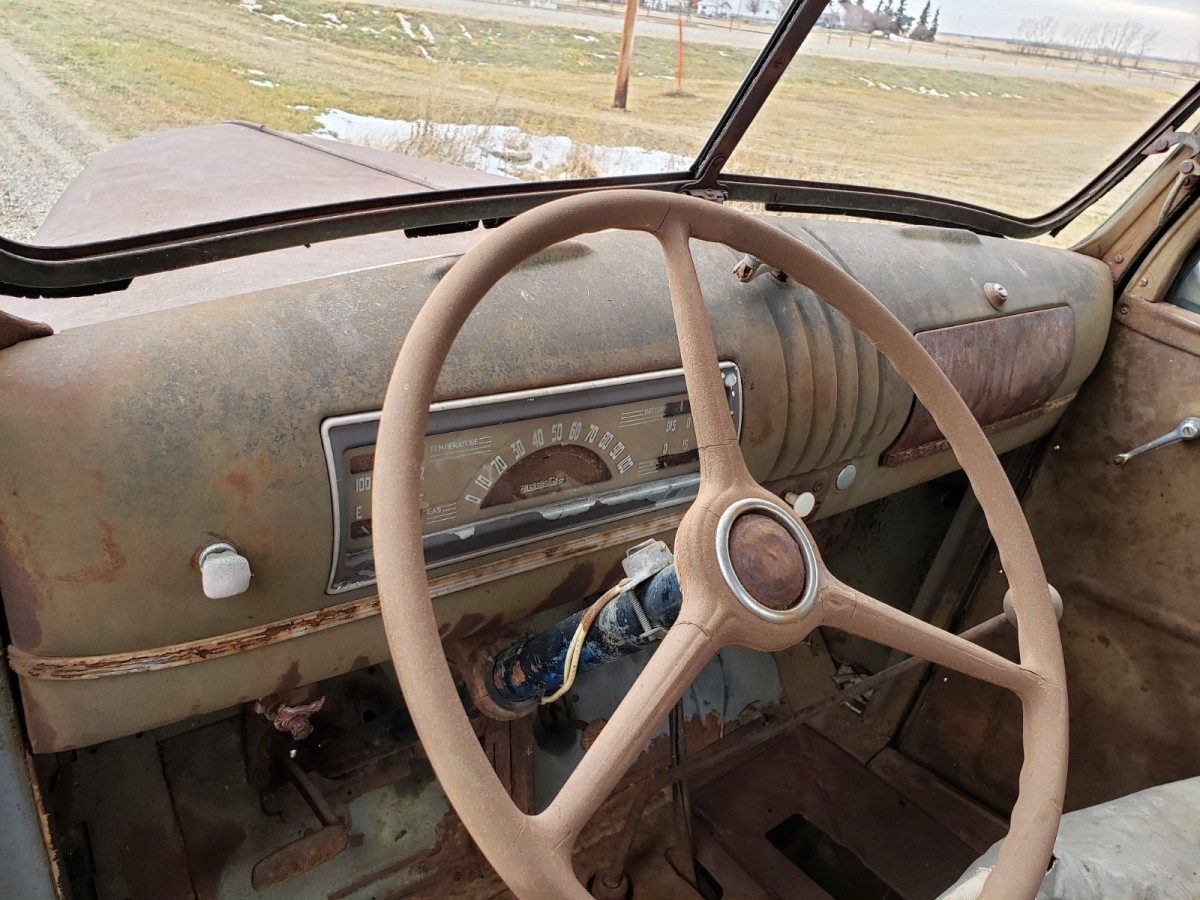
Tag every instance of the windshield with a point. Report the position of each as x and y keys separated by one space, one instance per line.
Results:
x=1012 y=106
x=521 y=91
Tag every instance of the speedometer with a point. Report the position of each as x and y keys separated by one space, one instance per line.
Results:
x=508 y=469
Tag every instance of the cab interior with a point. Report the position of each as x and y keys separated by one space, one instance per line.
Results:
x=199 y=696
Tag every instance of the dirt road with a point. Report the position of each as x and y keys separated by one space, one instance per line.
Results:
x=43 y=145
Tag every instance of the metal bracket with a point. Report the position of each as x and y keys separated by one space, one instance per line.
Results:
x=1165 y=142
x=1188 y=170
x=716 y=195
x=750 y=267
x=641 y=563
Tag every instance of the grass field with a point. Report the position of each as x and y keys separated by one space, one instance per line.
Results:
x=135 y=66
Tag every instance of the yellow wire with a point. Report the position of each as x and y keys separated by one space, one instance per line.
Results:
x=575 y=648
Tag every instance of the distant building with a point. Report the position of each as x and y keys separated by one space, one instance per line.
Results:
x=768 y=10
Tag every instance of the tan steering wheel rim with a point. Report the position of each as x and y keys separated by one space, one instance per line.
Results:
x=532 y=853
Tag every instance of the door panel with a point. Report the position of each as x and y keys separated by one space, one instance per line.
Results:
x=1122 y=544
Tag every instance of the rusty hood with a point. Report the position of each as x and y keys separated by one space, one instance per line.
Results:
x=189 y=176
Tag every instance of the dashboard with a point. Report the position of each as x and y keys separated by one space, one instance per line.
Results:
x=559 y=437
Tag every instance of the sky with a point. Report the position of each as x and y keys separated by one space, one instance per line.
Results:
x=1177 y=20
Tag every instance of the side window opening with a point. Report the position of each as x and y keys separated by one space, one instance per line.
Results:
x=1186 y=293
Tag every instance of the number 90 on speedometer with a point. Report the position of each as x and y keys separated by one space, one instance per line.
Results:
x=508 y=469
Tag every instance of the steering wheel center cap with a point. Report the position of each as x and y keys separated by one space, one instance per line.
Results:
x=767 y=559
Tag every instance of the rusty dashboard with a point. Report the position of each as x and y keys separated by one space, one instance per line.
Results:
x=128 y=447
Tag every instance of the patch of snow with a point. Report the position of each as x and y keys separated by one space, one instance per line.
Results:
x=498 y=149
x=425 y=53
x=250 y=6
x=465 y=33
x=867 y=81
x=264 y=84
x=722 y=53
x=406 y=27
x=301 y=106
x=286 y=20
x=427 y=34
x=884 y=87
x=255 y=72
x=586 y=38
x=332 y=21
x=365 y=29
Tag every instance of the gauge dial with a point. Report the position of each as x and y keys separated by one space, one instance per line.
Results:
x=475 y=474
x=526 y=475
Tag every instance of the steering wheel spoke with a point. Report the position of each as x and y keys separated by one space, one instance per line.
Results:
x=720 y=455
x=859 y=614
x=685 y=650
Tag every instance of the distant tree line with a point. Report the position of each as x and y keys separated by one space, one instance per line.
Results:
x=889 y=17
x=1113 y=43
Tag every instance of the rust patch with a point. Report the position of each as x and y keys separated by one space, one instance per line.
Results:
x=62 y=668
x=211 y=846
x=21 y=601
x=1005 y=368
x=290 y=680
x=473 y=623
x=14 y=330
x=241 y=483
x=574 y=587
x=42 y=736
x=149 y=866
x=614 y=574
x=102 y=572
x=302 y=855
x=243 y=480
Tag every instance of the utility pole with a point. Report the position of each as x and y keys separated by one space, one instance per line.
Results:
x=626 y=58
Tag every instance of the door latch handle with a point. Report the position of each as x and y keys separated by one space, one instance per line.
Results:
x=1187 y=430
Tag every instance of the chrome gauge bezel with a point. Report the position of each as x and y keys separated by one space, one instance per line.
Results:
x=342 y=433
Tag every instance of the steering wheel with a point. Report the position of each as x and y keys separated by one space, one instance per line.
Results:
x=714 y=559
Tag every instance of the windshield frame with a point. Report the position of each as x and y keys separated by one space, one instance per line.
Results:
x=30 y=270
